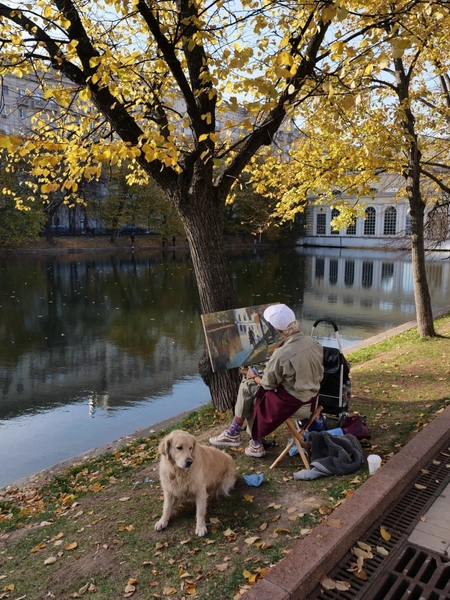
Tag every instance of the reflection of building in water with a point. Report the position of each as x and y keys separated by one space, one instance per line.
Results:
x=98 y=400
x=110 y=377
x=367 y=284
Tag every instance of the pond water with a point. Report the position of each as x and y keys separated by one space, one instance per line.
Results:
x=95 y=347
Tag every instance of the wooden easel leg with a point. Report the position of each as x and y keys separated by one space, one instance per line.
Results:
x=299 y=443
x=282 y=455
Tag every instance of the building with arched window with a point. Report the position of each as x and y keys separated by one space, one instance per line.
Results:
x=386 y=222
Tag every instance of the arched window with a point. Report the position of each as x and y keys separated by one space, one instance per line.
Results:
x=321 y=224
x=390 y=221
x=334 y=213
x=369 y=223
x=351 y=229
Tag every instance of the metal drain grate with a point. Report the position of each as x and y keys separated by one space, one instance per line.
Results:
x=400 y=520
x=417 y=574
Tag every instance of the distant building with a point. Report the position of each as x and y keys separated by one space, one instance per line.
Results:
x=386 y=223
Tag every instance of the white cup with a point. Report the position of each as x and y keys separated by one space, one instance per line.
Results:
x=374 y=462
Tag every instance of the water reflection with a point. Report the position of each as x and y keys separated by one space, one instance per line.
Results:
x=93 y=348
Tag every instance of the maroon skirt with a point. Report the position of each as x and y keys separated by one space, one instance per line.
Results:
x=272 y=408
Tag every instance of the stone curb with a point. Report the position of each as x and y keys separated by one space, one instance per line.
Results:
x=297 y=575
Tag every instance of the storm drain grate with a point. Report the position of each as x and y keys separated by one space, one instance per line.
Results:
x=400 y=520
x=417 y=574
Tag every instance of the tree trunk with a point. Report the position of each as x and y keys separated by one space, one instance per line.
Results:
x=202 y=218
x=412 y=172
x=424 y=314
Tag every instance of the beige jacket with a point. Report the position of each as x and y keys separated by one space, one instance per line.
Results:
x=297 y=365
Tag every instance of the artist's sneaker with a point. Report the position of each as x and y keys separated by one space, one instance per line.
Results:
x=225 y=439
x=255 y=451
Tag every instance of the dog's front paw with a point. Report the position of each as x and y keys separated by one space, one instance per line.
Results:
x=201 y=530
x=161 y=524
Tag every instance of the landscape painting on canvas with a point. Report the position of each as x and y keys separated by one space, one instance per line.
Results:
x=239 y=337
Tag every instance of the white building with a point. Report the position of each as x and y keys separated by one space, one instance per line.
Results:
x=386 y=223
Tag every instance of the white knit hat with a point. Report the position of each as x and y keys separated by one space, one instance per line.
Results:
x=279 y=316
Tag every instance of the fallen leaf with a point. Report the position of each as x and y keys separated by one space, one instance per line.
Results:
x=275 y=518
x=359 y=552
x=335 y=523
x=247 y=498
x=361 y=575
x=342 y=586
x=228 y=533
x=382 y=551
x=190 y=588
x=222 y=567
x=83 y=589
x=262 y=527
x=50 y=561
x=291 y=509
x=71 y=546
x=324 y=510
x=130 y=589
x=251 y=540
x=124 y=499
x=419 y=486
x=327 y=583
x=385 y=534
x=305 y=531
x=282 y=530
x=364 y=546
x=169 y=591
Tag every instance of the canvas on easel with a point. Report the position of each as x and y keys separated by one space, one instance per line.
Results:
x=239 y=337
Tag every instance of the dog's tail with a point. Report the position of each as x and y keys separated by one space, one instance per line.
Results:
x=227 y=484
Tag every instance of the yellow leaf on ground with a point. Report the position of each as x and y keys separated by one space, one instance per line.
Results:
x=71 y=546
x=364 y=546
x=251 y=540
x=327 y=583
x=385 y=534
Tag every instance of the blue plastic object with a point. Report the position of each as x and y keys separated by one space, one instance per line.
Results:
x=254 y=480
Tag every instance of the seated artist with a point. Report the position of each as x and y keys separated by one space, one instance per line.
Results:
x=290 y=384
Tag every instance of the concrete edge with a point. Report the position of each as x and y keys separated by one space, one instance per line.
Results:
x=47 y=474
x=297 y=575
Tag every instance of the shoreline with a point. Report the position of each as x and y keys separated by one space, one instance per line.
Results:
x=102 y=244
x=46 y=474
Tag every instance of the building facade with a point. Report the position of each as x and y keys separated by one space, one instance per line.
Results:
x=386 y=222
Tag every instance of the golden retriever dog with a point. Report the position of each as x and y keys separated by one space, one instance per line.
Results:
x=190 y=471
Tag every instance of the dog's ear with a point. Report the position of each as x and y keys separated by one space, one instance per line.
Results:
x=164 y=446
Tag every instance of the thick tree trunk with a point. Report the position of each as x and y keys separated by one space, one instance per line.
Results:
x=202 y=217
x=412 y=172
x=422 y=296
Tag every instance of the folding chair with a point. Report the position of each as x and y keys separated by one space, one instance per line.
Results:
x=297 y=434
